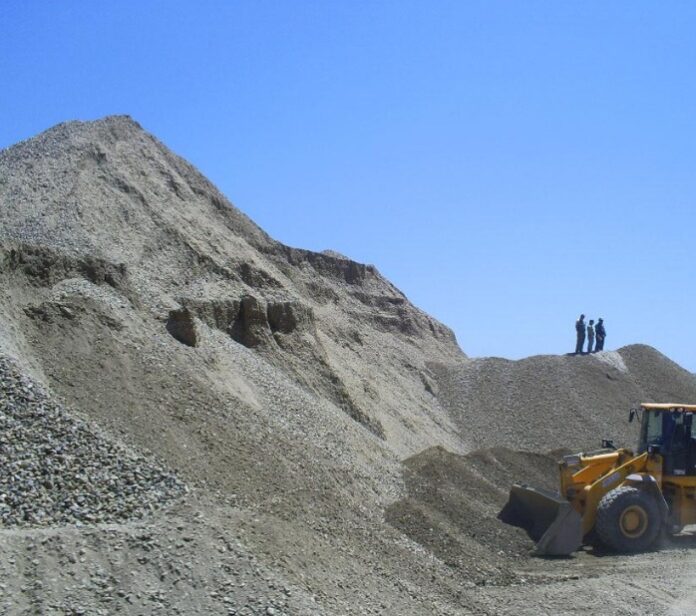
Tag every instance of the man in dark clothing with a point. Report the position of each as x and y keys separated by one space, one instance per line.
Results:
x=600 y=335
x=580 y=330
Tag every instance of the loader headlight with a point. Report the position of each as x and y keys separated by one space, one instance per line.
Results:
x=571 y=461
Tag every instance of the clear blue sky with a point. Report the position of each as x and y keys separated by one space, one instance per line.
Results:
x=508 y=165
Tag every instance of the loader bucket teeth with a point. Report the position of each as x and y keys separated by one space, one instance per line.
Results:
x=548 y=518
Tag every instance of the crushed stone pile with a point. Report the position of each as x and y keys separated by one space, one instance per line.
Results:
x=547 y=402
x=107 y=202
x=57 y=470
x=453 y=502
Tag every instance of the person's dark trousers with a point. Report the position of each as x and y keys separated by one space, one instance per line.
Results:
x=580 y=344
x=590 y=344
x=600 y=345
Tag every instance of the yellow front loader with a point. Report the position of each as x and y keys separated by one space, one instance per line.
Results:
x=625 y=500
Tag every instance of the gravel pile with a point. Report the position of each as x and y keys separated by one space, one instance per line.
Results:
x=548 y=401
x=453 y=502
x=57 y=470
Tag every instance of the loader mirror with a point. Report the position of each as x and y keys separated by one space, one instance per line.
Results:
x=607 y=444
x=632 y=415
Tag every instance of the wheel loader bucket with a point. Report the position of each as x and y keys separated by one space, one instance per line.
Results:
x=548 y=518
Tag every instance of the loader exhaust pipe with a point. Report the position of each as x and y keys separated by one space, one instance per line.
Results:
x=549 y=519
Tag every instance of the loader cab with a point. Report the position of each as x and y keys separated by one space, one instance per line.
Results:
x=667 y=429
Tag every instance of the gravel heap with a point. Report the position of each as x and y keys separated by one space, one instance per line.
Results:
x=453 y=502
x=548 y=401
x=57 y=470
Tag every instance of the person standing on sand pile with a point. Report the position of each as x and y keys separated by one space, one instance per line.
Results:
x=601 y=334
x=590 y=336
x=580 y=331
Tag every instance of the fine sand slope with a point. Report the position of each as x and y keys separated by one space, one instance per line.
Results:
x=199 y=419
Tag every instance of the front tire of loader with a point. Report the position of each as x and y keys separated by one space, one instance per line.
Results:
x=628 y=520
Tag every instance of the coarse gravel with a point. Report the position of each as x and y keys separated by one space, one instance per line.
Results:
x=57 y=470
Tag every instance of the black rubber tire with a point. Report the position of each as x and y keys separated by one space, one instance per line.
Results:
x=614 y=509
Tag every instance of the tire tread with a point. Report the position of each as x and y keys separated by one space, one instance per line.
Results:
x=608 y=512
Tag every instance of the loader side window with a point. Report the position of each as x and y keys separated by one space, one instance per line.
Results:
x=651 y=432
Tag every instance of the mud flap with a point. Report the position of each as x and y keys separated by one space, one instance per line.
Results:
x=548 y=518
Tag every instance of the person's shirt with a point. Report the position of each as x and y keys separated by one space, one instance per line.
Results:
x=580 y=326
x=590 y=331
x=600 y=330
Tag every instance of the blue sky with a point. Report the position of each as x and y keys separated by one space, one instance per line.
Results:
x=508 y=165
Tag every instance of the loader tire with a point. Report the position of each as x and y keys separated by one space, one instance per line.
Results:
x=628 y=520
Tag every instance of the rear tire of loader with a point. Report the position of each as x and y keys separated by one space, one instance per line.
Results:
x=628 y=520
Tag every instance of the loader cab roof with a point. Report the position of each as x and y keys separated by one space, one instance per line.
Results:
x=677 y=408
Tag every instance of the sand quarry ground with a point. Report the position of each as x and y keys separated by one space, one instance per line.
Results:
x=197 y=419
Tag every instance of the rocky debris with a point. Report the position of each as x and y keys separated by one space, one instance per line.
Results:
x=286 y=317
x=57 y=470
x=110 y=192
x=249 y=324
x=101 y=149
x=49 y=311
x=329 y=265
x=218 y=313
x=254 y=322
x=249 y=320
x=182 y=327
x=250 y=328
x=257 y=278
x=47 y=266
